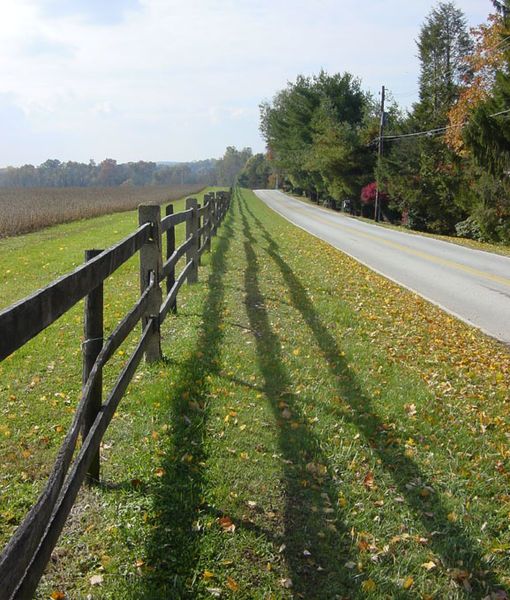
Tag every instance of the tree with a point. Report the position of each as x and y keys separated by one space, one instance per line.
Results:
x=231 y=165
x=108 y=173
x=422 y=171
x=311 y=129
x=338 y=156
x=484 y=62
x=487 y=134
x=487 y=138
x=256 y=172
x=442 y=45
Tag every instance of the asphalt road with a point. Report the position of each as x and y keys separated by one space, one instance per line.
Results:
x=469 y=284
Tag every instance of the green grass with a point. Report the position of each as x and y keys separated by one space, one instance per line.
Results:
x=314 y=431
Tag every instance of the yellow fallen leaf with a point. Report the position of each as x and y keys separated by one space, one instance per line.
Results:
x=208 y=575
x=369 y=585
x=408 y=583
x=429 y=565
x=232 y=584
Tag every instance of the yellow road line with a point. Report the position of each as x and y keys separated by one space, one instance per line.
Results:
x=431 y=257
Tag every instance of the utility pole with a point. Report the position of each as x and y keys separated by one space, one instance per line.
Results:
x=377 y=208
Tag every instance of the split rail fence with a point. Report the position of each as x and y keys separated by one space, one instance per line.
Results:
x=24 y=559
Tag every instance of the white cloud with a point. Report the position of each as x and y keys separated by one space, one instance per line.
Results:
x=166 y=79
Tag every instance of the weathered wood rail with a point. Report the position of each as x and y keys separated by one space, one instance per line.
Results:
x=24 y=559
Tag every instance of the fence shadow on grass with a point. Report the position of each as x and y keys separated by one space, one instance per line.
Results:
x=172 y=551
x=317 y=547
x=448 y=540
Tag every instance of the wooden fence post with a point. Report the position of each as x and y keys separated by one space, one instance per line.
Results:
x=151 y=262
x=170 y=248
x=221 y=205
x=207 y=218
x=200 y=220
x=214 y=208
x=191 y=231
x=92 y=344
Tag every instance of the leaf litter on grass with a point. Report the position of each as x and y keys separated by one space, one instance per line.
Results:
x=370 y=463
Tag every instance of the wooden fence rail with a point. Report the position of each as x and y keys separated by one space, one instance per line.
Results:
x=24 y=559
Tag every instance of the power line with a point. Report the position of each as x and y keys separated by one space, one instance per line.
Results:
x=502 y=112
x=432 y=132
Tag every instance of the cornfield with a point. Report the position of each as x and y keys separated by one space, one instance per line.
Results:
x=23 y=210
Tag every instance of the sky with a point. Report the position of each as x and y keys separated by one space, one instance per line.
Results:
x=168 y=80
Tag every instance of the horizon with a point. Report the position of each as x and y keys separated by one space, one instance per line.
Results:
x=139 y=79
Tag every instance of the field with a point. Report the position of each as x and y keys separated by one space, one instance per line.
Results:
x=314 y=431
x=23 y=210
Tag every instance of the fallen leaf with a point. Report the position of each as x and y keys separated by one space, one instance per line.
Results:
x=226 y=524
x=286 y=583
x=369 y=585
x=232 y=584
x=96 y=580
x=368 y=481
x=410 y=409
x=429 y=565
x=57 y=595
x=408 y=583
x=208 y=575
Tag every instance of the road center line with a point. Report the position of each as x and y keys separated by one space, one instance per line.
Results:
x=425 y=255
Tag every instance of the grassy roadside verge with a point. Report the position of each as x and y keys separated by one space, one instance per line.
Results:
x=314 y=432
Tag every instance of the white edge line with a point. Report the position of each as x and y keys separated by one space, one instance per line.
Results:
x=403 y=285
x=332 y=212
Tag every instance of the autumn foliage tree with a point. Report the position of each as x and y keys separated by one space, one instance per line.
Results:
x=483 y=64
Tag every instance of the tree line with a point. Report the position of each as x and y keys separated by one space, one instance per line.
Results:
x=54 y=173
x=445 y=163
